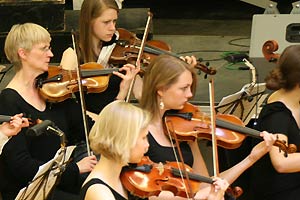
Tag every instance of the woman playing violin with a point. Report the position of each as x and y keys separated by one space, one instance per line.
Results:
x=168 y=84
x=11 y=128
x=27 y=47
x=97 y=37
x=120 y=136
x=280 y=115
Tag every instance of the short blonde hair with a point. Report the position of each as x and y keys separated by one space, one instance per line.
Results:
x=23 y=36
x=116 y=130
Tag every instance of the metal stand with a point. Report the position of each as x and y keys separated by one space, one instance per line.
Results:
x=46 y=178
x=271 y=8
x=296 y=7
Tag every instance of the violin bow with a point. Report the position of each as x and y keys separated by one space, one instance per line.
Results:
x=82 y=100
x=141 y=50
x=213 y=128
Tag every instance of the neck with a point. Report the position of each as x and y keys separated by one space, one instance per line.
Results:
x=24 y=79
x=291 y=97
x=96 y=46
x=109 y=171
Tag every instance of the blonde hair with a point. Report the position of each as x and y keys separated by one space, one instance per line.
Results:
x=90 y=10
x=162 y=72
x=23 y=36
x=116 y=130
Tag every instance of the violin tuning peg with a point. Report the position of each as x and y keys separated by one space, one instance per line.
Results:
x=199 y=72
x=207 y=64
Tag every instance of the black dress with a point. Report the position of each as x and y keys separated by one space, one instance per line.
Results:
x=23 y=154
x=266 y=183
x=158 y=153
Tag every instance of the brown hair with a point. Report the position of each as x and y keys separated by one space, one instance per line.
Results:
x=286 y=74
x=90 y=10
x=163 y=71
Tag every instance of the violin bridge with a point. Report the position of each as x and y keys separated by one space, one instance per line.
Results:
x=160 y=168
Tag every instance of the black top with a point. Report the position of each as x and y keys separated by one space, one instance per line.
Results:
x=266 y=183
x=23 y=154
x=158 y=153
x=99 y=181
x=95 y=102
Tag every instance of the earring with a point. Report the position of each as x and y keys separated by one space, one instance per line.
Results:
x=161 y=104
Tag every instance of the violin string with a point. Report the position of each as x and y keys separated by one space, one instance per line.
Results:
x=177 y=161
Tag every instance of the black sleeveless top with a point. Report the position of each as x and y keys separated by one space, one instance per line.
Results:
x=98 y=181
x=115 y=193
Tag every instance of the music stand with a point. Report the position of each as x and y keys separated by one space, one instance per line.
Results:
x=45 y=179
x=245 y=103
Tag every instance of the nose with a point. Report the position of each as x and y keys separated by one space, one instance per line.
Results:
x=50 y=53
x=113 y=26
x=189 y=93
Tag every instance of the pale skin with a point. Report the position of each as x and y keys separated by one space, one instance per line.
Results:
x=11 y=128
x=291 y=100
x=174 y=97
x=104 y=28
x=103 y=171
x=14 y=126
x=34 y=63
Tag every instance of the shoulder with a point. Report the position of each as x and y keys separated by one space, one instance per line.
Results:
x=275 y=108
x=98 y=191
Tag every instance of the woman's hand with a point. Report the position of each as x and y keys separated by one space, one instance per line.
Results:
x=263 y=147
x=87 y=164
x=14 y=126
x=218 y=189
x=190 y=60
x=130 y=72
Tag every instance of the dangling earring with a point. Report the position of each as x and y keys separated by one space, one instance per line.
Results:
x=161 y=104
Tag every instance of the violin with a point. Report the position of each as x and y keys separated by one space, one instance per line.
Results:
x=190 y=123
x=149 y=179
x=268 y=49
x=128 y=45
x=59 y=84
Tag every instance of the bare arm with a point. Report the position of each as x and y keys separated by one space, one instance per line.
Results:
x=282 y=164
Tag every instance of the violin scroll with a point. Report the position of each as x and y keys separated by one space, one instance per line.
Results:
x=287 y=149
x=268 y=49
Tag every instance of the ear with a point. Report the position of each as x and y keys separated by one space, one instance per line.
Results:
x=22 y=53
x=160 y=92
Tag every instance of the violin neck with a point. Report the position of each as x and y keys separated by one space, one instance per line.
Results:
x=4 y=118
x=158 y=51
x=192 y=176
x=241 y=129
x=86 y=73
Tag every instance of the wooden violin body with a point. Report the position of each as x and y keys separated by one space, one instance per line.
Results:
x=190 y=123
x=61 y=84
x=149 y=179
x=128 y=46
